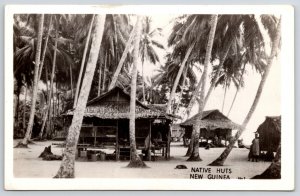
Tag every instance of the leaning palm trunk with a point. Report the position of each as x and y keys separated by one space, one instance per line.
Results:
x=135 y=160
x=27 y=137
x=196 y=128
x=222 y=158
x=45 y=49
x=194 y=96
x=172 y=94
x=99 y=81
x=237 y=90
x=215 y=79
x=224 y=98
x=83 y=62
x=274 y=170
x=181 y=90
x=51 y=87
x=104 y=72
x=121 y=62
x=66 y=169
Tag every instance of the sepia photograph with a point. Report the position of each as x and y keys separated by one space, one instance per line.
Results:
x=121 y=94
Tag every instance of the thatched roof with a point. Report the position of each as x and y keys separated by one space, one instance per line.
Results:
x=270 y=133
x=272 y=123
x=211 y=119
x=115 y=105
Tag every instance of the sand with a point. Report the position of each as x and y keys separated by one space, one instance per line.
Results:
x=28 y=165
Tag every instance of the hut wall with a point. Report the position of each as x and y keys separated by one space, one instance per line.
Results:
x=269 y=137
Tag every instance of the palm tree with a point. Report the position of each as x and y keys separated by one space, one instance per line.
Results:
x=147 y=51
x=176 y=82
x=196 y=128
x=114 y=45
x=66 y=169
x=240 y=84
x=27 y=137
x=51 y=87
x=275 y=47
x=231 y=41
x=123 y=58
x=45 y=47
x=188 y=33
x=83 y=61
x=135 y=160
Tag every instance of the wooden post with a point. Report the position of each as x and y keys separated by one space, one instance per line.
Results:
x=149 y=149
x=117 y=142
x=169 y=141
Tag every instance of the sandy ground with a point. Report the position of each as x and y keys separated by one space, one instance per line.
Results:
x=28 y=165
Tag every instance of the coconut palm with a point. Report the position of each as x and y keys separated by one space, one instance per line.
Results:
x=83 y=60
x=51 y=87
x=114 y=45
x=196 y=128
x=275 y=47
x=189 y=32
x=135 y=160
x=239 y=28
x=24 y=142
x=147 y=47
x=66 y=169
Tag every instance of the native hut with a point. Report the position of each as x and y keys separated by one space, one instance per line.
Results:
x=214 y=126
x=270 y=134
x=106 y=126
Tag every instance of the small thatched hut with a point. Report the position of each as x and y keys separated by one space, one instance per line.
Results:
x=270 y=133
x=106 y=124
x=213 y=125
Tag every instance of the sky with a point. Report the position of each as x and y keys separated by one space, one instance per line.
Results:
x=269 y=103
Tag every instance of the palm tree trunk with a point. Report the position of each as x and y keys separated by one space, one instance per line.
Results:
x=27 y=137
x=48 y=109
x=214 y=81
x=71 y=80
x=237 y=90
x=195 y=153
x=224 y=96
x=99 y=81
x=274 y=170
x=222 y=158
x=135 y=160
x=181 y=91
x=45 y=48
x=143 y=80
x=172 y=94
x=194 y=96
x=121 y=62
x=104 y=71
x=191 y=145
x=83 y=62
x=24 y=109
x=18 y=104
x=66 y=169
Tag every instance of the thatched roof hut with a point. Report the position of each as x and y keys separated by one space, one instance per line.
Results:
x=211 y=119
x=115 y=105
x=270 y=133
x=106 y=123
x=213 y=123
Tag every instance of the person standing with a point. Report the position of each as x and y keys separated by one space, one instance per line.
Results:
x=255 y=148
